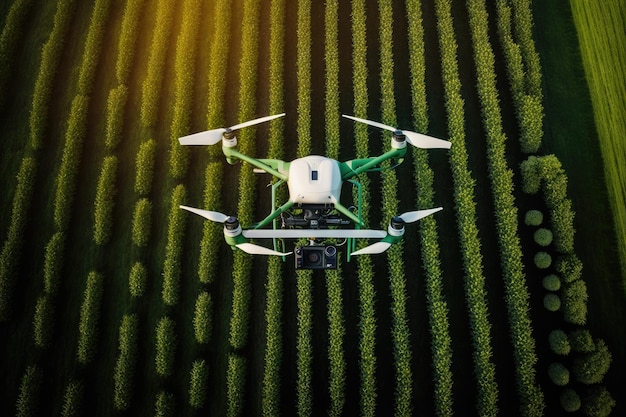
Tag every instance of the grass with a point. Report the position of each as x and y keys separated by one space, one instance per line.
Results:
x=602 y=38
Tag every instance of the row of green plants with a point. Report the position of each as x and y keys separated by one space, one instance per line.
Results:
x=172 y=268
x=43 y=320
x=145 y=167
x=28 y=399
x=142 y=222
x=72 y=398
x=93 y=45
x=9 y=38
x=441 y=342
x=105 y=201
x=116 y=104
x=88 y=326
x=501 y=177
x=198 y=383
x=124 y=373
x=400 y=329
x=203 y=317
x=365 y=267
x=336 y=328
x=184 y=67
x=270 y=401
x=165 y=346
x=151 y=87
x=126 y=45
x=474 y=280
x=212 y=234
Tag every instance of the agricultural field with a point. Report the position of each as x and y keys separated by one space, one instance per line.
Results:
x=113 y=301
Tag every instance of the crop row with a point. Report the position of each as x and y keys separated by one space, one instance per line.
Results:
x=72 y=398
x=172 y=269
x=151 y=88
x=474 y=280
x=126 y=44
x=124 y=374
x=202 y=318
x=212 y=236
x=28 y=399
x=506 y=215
x=441 y=342
x=198 y=383
x=367 y=293
x=273 y=312
x=9 y=39
x=165 y=346
x=89 y=318
x=93 y=45
x=105 y=201
x=184 y=82
x=142 y=222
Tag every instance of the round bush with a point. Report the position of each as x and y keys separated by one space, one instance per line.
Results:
x=551 y=283
x=590 y=368
x=543 y=260
x=581 y=341
x=558 y=374
x=543 y=237
x=559 y=342
x=598 y=402
x=533 y=218
x=570 y=401
x=552 y=302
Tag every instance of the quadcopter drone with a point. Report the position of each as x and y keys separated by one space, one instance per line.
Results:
x=313 y=210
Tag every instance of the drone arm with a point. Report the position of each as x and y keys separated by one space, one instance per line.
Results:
x=354 y=167
x=271 y=166
x=274 y=214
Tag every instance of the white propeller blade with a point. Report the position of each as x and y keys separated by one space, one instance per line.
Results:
x=416 y=139
x=413 y=216
x=259 y=250
x=213 y=136
x=313 y=233
x=209 y=215
x=378 y=247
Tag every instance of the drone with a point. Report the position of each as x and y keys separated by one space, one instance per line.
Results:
x=314 y=212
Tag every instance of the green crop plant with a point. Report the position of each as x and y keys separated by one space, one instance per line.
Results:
x=116 y=105
x=128 y=38
x=124 y=373
x=9 y=38
x=212 y=234
x=165 y=346
x=198 y=384
x=105 y=201
x=43 y=320
x=235 y=380
x=137 y=279
x=558 y=373
x=142 y=222
x=88 y=326
x=93 y=46
x=145 y=167
x=73 y=398
x=28 y=400
x=202 y=319
x=173 y=249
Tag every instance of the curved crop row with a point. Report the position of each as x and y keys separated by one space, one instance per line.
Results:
x=173 y=250
x=151 y=87
x=28 y=400
x=116 y=103
x=474 y=280
x=93 y=45
x=501 y=176
x=145 y=167
x=43 y=320
x=105 y=200
x=123 y=376
x=9 y=39
x=89 y=318
x=184 y=82
x=441 y=341
x=128 y=38
x=12 y=247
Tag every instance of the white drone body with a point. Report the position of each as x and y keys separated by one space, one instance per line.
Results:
x=314 y=180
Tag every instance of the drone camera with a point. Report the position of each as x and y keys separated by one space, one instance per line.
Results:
x=316 y=257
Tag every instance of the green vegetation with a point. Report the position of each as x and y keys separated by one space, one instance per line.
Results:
x=88 y=327
x=105 y=200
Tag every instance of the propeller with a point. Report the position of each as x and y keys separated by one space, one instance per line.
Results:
x=378 y=247
x=222 y=218
x=416 y=139
x=413 y=216
x=211 y=137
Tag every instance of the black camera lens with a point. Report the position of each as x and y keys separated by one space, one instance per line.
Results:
x=313 y=258
x=330 y=251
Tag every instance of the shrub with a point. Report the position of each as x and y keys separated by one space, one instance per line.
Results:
x=28 y=398
x=581 y=341
x=542 y=260
x=165 y=346
x=116 y=104
x=531 y=177
x=89 y=318
x=590 y=368
x=531 y=123
x=43 y=320
x=562 y=220
x=235 y=382
x=165 y=404
x=551 y=302
x=53 y=262
x=551 y=282
x=570 y=401
x=198 y=384
x=137 y=279
x=125 y=366
x=559 y=342
x=598 y=402
x=543 y=237
x=555 y=190
x=533 y=218
x=558 y=374
x=575 y=302
x=93 y=45
x=72 y=399
x=127 y=40
x=142 y=222
x=174 y=247
x=145 y=167
x=569 y=267
x=202 y=319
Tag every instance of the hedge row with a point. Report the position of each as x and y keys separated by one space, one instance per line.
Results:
x=126 y=44
x=151 y=87
x=203 y=317
x=303 y=71
x=43 y=320
x=212 y=233
x=474 y=281
x=50 y=59
x=93 y=46
x=441 y=342
x=173 y=250
x=145 y=167
x=367 y=293
x=28 y=400
x=165 y=346
x=12 y=247
x=198 y=384
x=105 y=200
x=123 y=376
x=183 y=86
x=89 y=318
x=137 y=279
x=9 y=38
x=142 y=222
x=236 y=383
x=517 y=296
x=73 y=399
x=116 y=103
